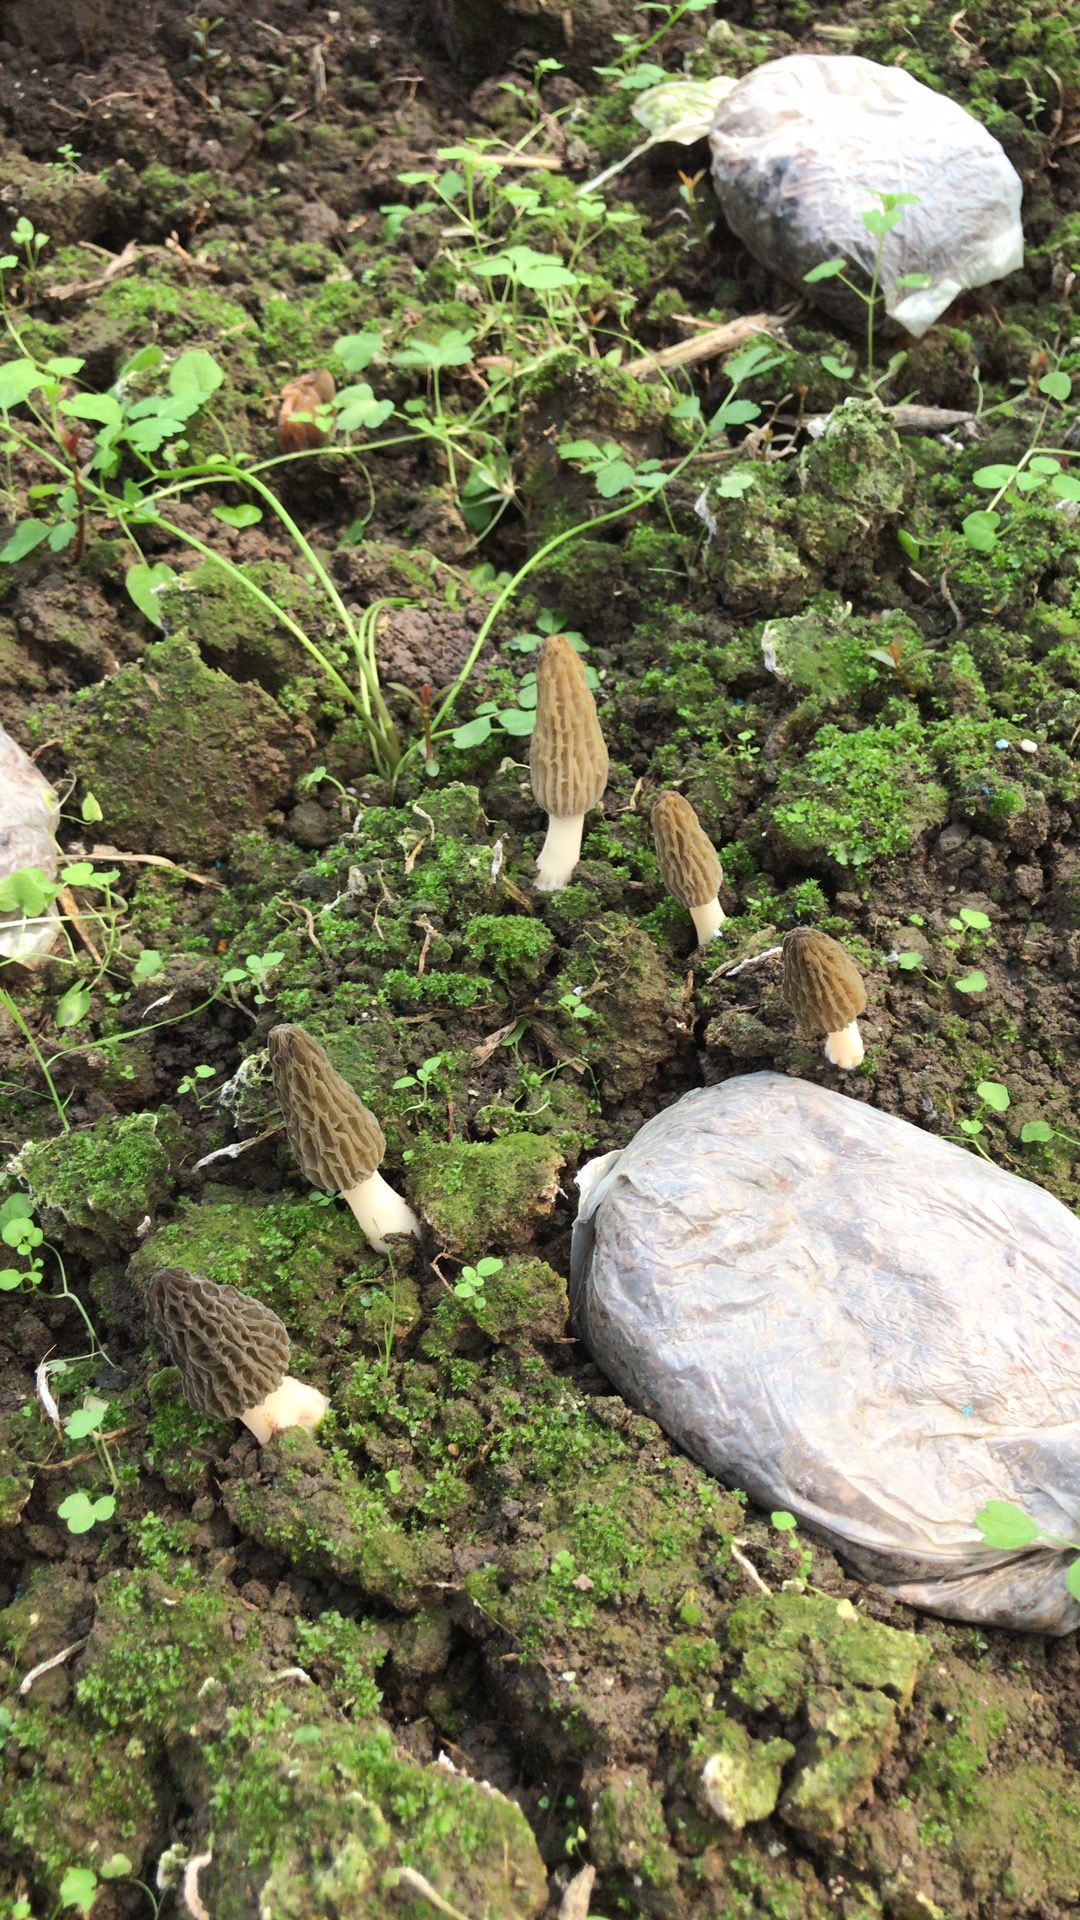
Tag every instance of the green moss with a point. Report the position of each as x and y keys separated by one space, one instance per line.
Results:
x=300 y=1255
x=850 y=482
x=628 y=1833
x=93 y=1186
x=858 y=797
x=314 y=1819
x=235 y=632
x=486 y=1194
x=786 y=1642
x=309 y=1504
x=513 y=945
x=299 y=330
x=736 y=1779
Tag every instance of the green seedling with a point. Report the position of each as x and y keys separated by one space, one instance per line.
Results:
x=993 y=1098
x=1039 y=468
x=79 y=1513
x=786 y=1523
x=255 y=972
x=192 y=1081
x=1041 y=1133
x=879 y=223
x=21 y=1234
x=469 y=1285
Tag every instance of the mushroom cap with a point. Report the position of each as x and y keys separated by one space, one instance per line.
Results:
x=231 y=1350
x=568 y=760
x=336 y=1140
x=821 y=985
x=303 y=395
x=689 y=864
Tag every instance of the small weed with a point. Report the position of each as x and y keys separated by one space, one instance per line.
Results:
x=469 y=1285
x=879 y=223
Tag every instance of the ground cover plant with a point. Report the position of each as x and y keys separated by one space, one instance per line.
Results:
x=285 y=693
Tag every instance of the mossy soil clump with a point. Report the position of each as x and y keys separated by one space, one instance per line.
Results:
x=486 y=1627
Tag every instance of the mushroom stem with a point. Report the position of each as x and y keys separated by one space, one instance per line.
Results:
x=292 y=1404
x=560 y=852
x=708 y=919
x=845 y=1049
x=379 y=1210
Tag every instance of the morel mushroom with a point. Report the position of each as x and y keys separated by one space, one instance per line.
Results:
x=567 y=759
x=232 y=1353
x=298 y=427
x=825 y=991
x=688 y=863
x=338 y=1143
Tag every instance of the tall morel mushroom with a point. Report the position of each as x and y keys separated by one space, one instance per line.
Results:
x=338 y=1143
x=825 y=992
x=298 y=425
x=689 y=865
x=232 y=1353
x=568 y=760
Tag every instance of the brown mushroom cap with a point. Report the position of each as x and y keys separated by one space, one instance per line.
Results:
x=231 y=1350
x=688 y=860
x=568 y=760
x=336 y=1140
x=821 y=985
x=302 y=396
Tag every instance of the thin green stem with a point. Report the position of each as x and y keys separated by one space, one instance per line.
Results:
x=9 y=1006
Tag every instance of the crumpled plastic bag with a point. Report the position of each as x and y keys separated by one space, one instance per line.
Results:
x=854 y=1321
x=29 y=816
x=802 y=147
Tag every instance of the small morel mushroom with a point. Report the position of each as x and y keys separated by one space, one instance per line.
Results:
x=825 y=992
x=232 y=1353
x=688 y=863
x=338 y=1143
x=298 y=427
x=567 y=759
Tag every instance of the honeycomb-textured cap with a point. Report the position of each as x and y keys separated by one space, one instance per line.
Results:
x=334 y=1137
x=568 y=760
x=688 y=860
x=302 y=396
x=823 y=988
x=231 y=1350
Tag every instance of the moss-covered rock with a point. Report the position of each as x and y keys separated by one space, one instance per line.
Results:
x=850 y=482
x=220 y=753
x=628 y=1835
x=856 y=798
x=484 y=1194
x=737 y=1779
x=93 y=1187
x=310 y=1504
x=752 y=551
x=318 y=1820
x=236 y=632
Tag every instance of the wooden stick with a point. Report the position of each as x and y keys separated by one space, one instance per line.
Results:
x=705 y=346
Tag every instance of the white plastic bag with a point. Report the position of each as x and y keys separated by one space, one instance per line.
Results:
x=853 y=1320
x=803 y=146
x=29 y=815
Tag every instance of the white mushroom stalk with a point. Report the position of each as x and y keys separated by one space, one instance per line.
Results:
x=708 y=920
x=560 y=852
x=379 y=1211
x=845 y=1049
x=292 y=1404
